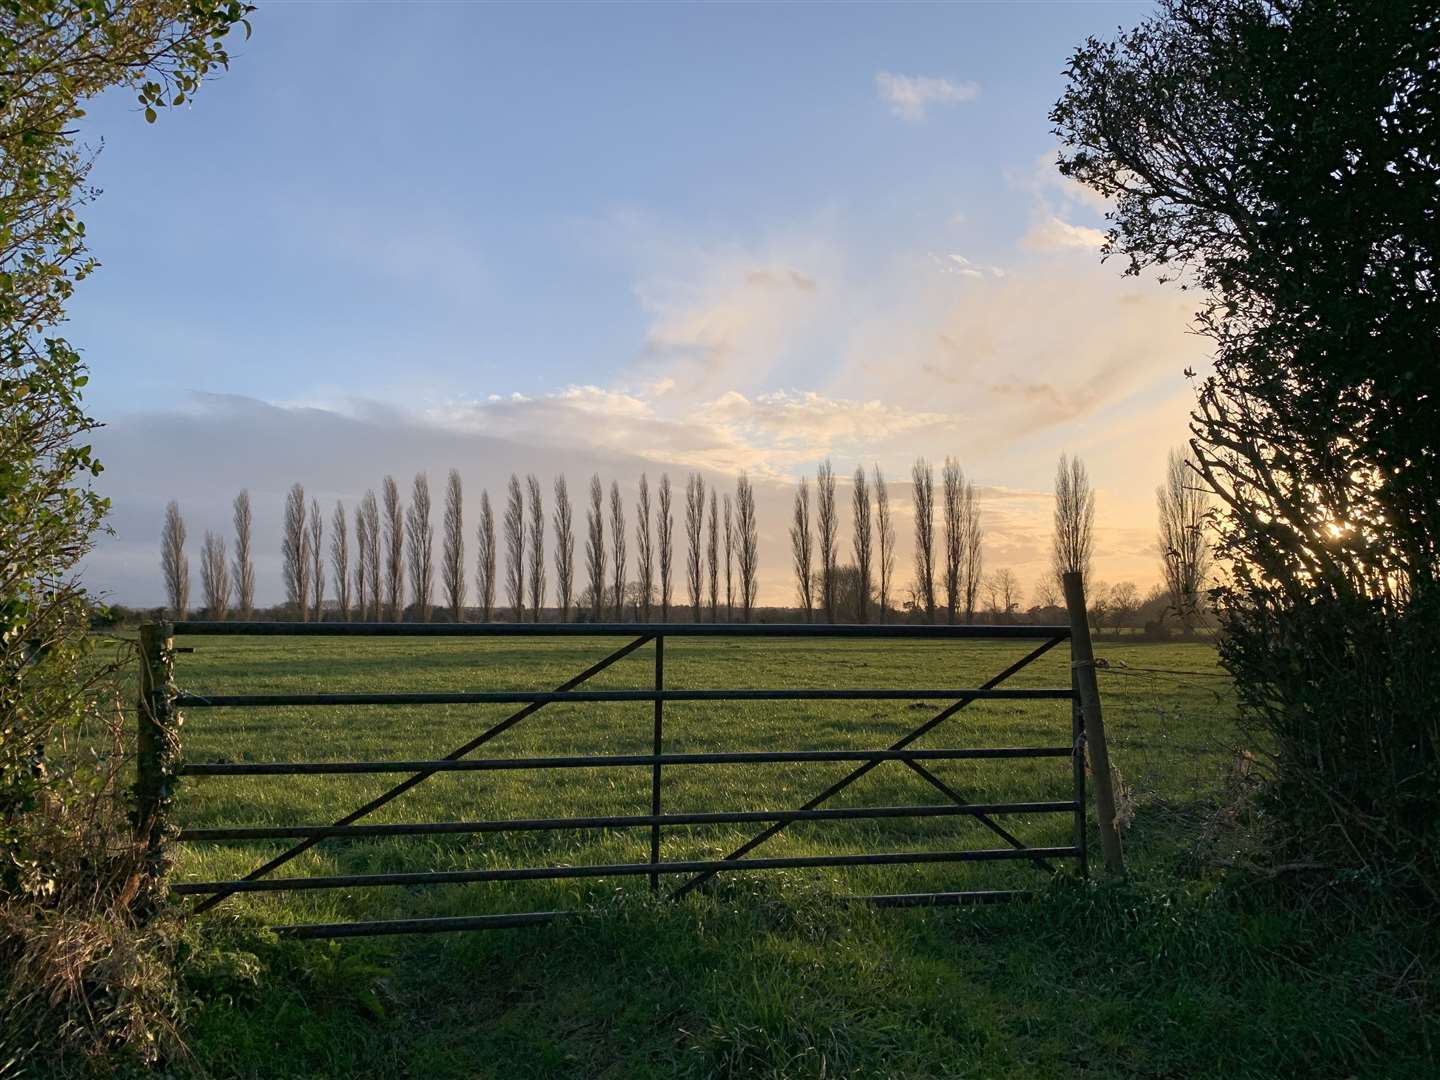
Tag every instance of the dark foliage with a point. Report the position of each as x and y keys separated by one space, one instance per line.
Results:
x=1281 y=157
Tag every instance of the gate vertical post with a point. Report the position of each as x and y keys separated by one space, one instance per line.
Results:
x=1077 y=758
x=157 y=743
x=1082 y=667
x=655 y=747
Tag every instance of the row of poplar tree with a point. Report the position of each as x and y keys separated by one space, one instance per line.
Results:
x=391 y=570
x=863 y=588
x=392 y=573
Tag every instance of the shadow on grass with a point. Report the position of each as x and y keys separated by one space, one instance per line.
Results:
x=768 y=979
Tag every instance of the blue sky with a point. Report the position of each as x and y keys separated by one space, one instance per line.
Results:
x=622 y=237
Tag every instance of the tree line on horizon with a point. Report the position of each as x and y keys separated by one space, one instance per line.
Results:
x=393 y=570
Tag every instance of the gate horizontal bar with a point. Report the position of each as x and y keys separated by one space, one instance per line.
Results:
x=437 y=925
x=451 y=924
x=193 y=700
x=689 y=866
x=600 y=761
x=622 y=821
x=415 y=779
x=753 y=630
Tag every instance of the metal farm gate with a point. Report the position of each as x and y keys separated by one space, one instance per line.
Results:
x=161 y=762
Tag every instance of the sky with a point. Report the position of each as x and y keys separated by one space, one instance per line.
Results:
x=615 y=239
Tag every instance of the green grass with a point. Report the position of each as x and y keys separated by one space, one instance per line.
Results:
x=767 y=974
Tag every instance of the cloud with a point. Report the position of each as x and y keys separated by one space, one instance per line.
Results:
x=1046 y=179
x=791 y=279
x=767 y=356
x=729 y=321
x=769 y=434
x=910 y=95
x=960 y=266
x=1022 y=364
x=236 y=442
x=1052 y=234
x=726 y=316
x=798 y=428
x=1046 y=404
x=1057 y=204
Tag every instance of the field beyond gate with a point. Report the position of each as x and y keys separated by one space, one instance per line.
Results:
x=902 y=765
x=1167 y=975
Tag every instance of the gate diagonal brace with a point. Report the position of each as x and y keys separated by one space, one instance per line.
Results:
x=419 y=778
x=984 y=819
x=759 y=838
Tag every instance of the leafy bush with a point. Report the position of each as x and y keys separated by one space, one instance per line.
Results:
x=1347 y=693
x=1278 y=158
x=78 y=970
x=86 y=953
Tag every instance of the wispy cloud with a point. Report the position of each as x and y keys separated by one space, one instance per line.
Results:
x=1019 y=361
x=797 y=428
x=1052 y=234
x=960 y=266
x=910 y=95
x=721 y=317
x=340 y=452
x=1059 y=206
x=724 y=317
x=766 y=356
x=770 y=434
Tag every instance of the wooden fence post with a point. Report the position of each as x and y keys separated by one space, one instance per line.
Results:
x=1082 y=660
x=157 y=744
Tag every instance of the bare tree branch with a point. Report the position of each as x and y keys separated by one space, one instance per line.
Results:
x=617 y=546
x=861 y=544
x=485 y=559
x=370 y=555
x=1002 y=589
x=729 y=558
x=665 y=527
x=886 y=530
x=452 y=550
x=394 y=540
x=244 y=568
x=644 y=549
x=1074 y=537
x=828 y=527
x=514 y=526
x=1184 y=551
x=694 y=529
x=295 y=554
x=316 y=543
x=363 y=581
x=712 y=550
x=215 y=576
x=749 y=536
x=537 y=547
x=801 y=550
x=922 y=481
x=595 y=547
x=340 y=560
x=564 y=548
x=952 y=483
x=974 y=532
x=420 y=534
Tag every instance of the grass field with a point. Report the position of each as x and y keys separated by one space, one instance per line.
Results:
x=1172 y=974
